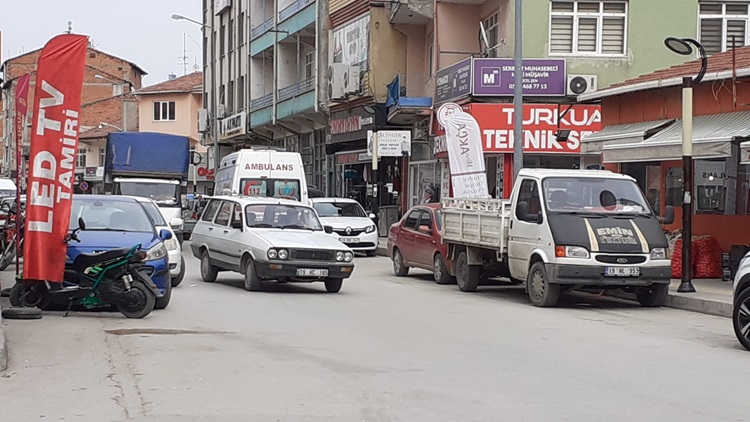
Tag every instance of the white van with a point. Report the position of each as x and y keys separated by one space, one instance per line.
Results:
x=263 y=173
x=7 y=187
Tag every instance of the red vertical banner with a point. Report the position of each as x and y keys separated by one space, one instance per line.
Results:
x=21 y=98
x=54 y=144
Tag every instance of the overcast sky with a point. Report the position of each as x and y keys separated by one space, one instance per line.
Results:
x=140 y=31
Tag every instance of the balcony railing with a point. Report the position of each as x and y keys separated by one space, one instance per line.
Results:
x=262 y=28
x=293 y=8
x=262 y=102
x=297 y=89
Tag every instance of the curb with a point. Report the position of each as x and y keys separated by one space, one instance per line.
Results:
x=3 y=349
x=686 y=303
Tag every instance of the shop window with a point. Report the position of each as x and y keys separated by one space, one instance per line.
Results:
x=743 y=190
x=673 y=184
x=710 y=179
x=653 y=187
x=588 y=27
x=722 y=23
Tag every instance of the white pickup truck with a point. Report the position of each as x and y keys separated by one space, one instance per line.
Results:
x=560 y=230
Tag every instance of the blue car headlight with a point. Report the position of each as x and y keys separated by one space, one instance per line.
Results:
x=157 y=251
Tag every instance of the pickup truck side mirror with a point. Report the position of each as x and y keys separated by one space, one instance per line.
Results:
x=668 y=215
x=425 y=229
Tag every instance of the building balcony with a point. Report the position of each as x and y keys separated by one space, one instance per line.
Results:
x=262 y=102
x=297 y=89
x=404 y=109
x=411 y=12
x=291 y=9
x=261 y=29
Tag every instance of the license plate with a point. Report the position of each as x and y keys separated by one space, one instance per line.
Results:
x=622 y=271
x=349 y=239
x=307 y=272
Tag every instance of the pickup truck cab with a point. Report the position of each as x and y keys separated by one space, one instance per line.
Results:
x=562 y=229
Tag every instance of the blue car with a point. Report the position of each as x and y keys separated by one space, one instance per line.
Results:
x=114 y=222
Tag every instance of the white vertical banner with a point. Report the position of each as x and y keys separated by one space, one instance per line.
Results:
x=463 y=139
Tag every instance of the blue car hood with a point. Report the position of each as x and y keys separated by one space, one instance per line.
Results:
x=93 y=241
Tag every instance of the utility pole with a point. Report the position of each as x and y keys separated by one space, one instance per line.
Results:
x=518 y=95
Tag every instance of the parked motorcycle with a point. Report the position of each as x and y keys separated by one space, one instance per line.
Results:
x=95 y=281
x=9 y=245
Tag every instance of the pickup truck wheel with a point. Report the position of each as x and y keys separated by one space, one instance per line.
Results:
x=741 y=318
x=541 y=292
x=440 y=271
x=333 y=285
x=652 y=296
x=467 y=276
x=399 y=268
x=252 y=281
x=208 y=271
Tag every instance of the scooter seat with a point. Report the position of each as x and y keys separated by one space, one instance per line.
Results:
x=86 y=260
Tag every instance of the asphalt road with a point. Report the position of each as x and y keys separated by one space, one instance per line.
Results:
x=384 y=349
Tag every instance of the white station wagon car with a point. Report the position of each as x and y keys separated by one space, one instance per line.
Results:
x=268 y=239
x=351 y=225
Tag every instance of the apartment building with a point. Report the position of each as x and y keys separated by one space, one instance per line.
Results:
x=107 y=104
x=264 y=84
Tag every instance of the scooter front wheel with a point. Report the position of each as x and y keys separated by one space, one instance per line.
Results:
x=30 y=294
x=140 y=302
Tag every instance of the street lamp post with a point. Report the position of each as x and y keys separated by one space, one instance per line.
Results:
x=683 y=47
x=213 y=120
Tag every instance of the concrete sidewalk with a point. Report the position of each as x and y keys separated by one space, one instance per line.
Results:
x=712 y=297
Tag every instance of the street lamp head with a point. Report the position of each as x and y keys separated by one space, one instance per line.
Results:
x=678 y=45
x=177 y=17
x=99 y=76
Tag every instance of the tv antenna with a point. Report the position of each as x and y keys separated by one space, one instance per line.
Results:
x=184 y=57
x=70 y=27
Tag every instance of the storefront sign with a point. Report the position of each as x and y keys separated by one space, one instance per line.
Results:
x=94 y=173
x=345 y=125
x=350 y=42
x=541 y=77
x=453 y=81
x=439 y=146
x=353 y=158
x=391 y=143
x=445 y=179
x=232 y=126
x=540 y=123
x=468 y=175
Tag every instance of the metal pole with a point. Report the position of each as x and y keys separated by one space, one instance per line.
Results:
x=19 y=147
x=686 y=286
x=518 y=96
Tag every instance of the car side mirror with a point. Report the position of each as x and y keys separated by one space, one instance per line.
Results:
x=176 y=222
x=668 y=215
x=81 y=223
x=328 y=229
x=372 y=216
x=165 y=234
x=425 y=229
x=237 y=224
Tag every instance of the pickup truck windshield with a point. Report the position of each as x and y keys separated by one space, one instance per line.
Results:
x=163 y=193
x=282 y=217
x=594 y=194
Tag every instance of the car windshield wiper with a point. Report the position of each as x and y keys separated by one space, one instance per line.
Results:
x=589 y=213
x=262 y=226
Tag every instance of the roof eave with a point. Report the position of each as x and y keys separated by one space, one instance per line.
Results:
x=661 y=83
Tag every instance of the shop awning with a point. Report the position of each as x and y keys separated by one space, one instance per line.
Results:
x=623 y=134
x=712 y=138
x=745 y=153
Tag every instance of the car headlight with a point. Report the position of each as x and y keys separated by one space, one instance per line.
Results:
x=158 y=251
x=571 y=252
x=272 y=254
x=339 y=256
x=659 y=253
x=172 y=244
x=283 y=254
x=370 y=229
x=348 y=256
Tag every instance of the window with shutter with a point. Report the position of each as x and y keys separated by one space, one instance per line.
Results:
x=723 y=25
x=588 y=27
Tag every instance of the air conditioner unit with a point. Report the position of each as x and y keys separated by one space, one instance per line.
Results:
x=220 y=112
x=202 y=120
x=336 y=73
x=581 y=84
x=351 y=79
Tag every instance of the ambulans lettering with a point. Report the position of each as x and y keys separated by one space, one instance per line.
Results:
x=269 y=167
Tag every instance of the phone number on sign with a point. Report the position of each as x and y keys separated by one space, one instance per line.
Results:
x=529 y=86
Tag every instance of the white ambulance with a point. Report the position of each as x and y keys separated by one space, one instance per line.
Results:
x=262 y=173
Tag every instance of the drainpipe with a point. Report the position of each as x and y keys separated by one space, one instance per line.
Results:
x=275 y=60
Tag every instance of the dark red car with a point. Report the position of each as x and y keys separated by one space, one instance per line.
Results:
x=415 y=241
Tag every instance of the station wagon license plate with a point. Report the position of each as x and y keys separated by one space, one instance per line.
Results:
x=309 y=272
x=622 y=271
x=349 y=239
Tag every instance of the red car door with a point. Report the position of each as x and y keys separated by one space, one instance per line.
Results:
x=408 y=235
x=424 y=240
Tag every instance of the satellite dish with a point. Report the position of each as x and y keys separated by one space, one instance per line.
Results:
x=578 y=85
x=484 y=37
